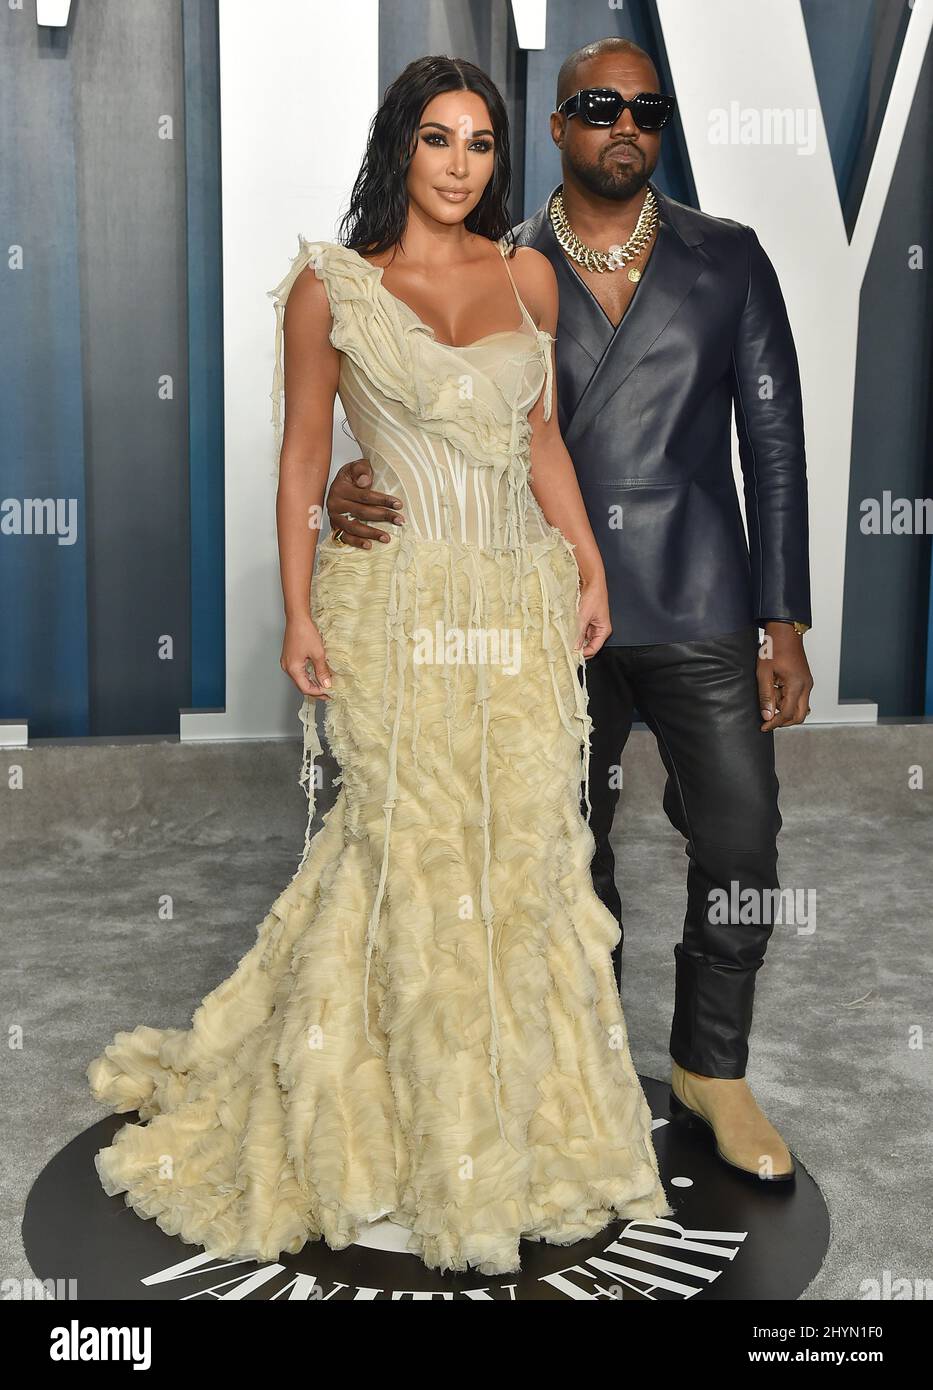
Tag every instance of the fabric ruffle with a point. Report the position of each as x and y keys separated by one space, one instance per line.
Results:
x=403 y=359
x=274 y=1119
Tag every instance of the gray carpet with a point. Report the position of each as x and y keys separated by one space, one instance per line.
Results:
x=101 y=832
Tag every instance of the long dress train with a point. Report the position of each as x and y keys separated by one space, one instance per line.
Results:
x=428 y=1023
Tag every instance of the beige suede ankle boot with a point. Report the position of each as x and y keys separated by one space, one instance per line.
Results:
x=745 y=1138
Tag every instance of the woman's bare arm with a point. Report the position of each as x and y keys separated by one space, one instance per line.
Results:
x=312 y=366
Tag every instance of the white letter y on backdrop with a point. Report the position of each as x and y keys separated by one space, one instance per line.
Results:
x=751 y=59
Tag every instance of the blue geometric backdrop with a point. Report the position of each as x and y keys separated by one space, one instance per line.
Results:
x=111 y=397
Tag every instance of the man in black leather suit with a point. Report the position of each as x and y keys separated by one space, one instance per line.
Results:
x=649 y=368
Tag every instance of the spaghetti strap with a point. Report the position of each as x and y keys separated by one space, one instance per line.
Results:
x=504 y=250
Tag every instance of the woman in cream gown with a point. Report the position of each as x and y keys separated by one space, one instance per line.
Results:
x=428 y=1025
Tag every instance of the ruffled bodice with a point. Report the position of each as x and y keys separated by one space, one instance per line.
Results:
x=445 y=427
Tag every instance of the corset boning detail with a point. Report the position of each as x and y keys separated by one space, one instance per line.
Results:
x=447 y=492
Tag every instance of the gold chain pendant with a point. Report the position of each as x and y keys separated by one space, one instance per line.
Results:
x=616 y=256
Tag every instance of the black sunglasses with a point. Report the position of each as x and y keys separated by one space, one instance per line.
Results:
x=604 y=106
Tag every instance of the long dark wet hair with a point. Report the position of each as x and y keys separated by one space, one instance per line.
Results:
x=378 y=211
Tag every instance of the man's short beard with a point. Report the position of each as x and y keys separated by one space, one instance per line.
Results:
x=619 y=185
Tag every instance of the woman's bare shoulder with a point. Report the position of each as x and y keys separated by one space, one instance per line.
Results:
x=537 y=284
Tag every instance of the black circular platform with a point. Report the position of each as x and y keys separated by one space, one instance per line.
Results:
x=730 y=1237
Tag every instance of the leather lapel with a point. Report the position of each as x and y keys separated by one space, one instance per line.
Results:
x=581 y=317
x=669 y=277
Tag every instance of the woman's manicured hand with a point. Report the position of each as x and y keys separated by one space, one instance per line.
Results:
x=303 y=643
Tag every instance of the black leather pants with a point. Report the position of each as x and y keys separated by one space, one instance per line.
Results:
x=700 y=700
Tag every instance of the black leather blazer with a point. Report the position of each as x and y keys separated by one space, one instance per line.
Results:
x=646 y=411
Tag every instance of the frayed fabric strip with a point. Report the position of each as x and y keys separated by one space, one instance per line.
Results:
x=409 y=570
x=311 y=749
x=395 y=634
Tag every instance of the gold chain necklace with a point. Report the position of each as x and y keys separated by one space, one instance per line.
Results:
x=616 y=256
